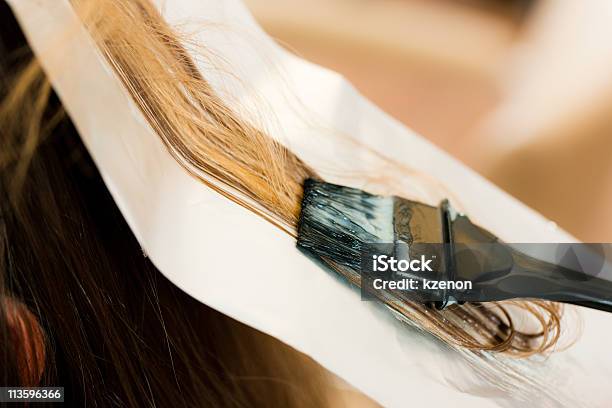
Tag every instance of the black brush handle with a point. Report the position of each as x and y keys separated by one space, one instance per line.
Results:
x=499 y=272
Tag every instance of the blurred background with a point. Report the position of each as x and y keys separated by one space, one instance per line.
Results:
x=519 y=90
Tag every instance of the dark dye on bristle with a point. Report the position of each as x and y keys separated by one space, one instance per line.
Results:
x=336 y=221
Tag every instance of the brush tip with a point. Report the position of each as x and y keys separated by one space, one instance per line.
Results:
x=336 y=221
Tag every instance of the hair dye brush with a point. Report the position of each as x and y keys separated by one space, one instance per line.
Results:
x=399 y=250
